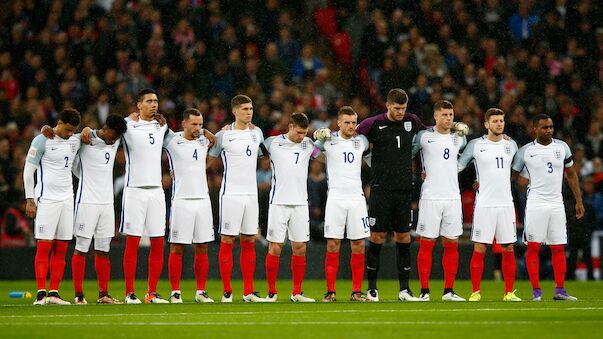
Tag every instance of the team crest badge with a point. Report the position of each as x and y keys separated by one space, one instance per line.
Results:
x=157 y=127
x=558 y=155
x=508 y=149
x=202 y=142
x=372 y=221
x=455 y=140
x=408 y=126
x=356 y=144
x=73 y=149
x=304 y=145
x=254 y=137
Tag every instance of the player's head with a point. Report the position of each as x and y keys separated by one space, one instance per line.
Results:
x=69 y=120
x=298 y=127
x=192 y=123
x=494 y=121
x=114 y=127
x=147 y=103
x=443 y=114
x=347 y=119
x=543 y=126
x=397 y=101
x=242 y=108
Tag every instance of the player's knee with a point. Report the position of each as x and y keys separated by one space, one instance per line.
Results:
x=507 y=248
x=479 y=247
x=227 y=239
x=378 y=237
x=176 y=248
x=402 y=237
x=357 y=246
x=298 y=248
x=275 y=249
x=200 y=248
x=333 y=245
x=450 y=239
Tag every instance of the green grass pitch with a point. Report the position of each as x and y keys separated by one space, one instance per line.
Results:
x=491 y=318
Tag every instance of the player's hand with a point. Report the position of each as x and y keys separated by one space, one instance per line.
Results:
x=134 y=116
x=579 y=210
x=322 y=134
x=460 y=128
x=423 y=175
x=47 y=131
x=31 y=208
x=475 y=185
x=506 y=137
x=86 y=136
x=210 y=136
x=227 y=127
x=159 y=117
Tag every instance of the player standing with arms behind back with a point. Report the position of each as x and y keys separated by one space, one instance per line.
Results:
x=239 y=210
x=191 y=218
x=51 y=204
x=345 y=212
x=494 y=212
x=440 y=212
x=546 y=161
x=391 y=134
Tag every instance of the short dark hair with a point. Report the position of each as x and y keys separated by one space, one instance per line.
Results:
x=442 y=104
x=70 y=116
x=116 y=123
x=397 y=96
x=493 y=111
x=144 y=92
x=539 y=117
x=299 y=120
x=190 y=111
x=238 y=100
x=346 y=110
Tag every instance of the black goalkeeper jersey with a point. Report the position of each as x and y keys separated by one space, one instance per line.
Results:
x=391 y=160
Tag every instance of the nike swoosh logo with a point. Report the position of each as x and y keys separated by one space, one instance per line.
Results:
x=430 y=141
x=53 y=148
x=407 y=268
x=482 y=150
x=281 y=144
x=136 y=126
x=333 y=143
x=231 y=140
x=382 y=127
x=180 y=142
x=532 y=155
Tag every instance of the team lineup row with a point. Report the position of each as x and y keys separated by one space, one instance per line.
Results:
x=388 y=142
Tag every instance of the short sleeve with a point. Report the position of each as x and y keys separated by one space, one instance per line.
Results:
x=168 y=137
x=365 y=141
x=36 y=150
x=267 y=143
x=518 y=160
x=416 y=143
x=568 y=160
x=467 y=155
x=215 y=151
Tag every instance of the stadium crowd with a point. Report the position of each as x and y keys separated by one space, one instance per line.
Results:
x=525 y=57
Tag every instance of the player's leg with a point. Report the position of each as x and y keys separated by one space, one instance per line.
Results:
x=357 y=225
x=175 y=271
x=299 y=235
x=334 y=230
x=401 y=222
x=201 y=271
x=509 y=266
x=64 y=233
x=102 y=265
x=424 y=262
x=506 y=236
x=331 y=268
x=451 y=229
x=428 y=228
x=357 y=268
x=249 y=230
x=133 y=215
x=272 y=266
x=557 y=238
x=477 y=269
x=231 y=216
x=47 y=218
x=78 y=267
x=380 y=220
x=182 y=222
x=535 y=228
x=155 y=230
x=203 y=234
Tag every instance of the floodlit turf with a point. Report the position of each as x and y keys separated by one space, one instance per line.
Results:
x=488 y=319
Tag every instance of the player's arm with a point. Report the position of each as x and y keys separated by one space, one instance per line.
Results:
x=518 y=163
x=416 y=143
x=214 y=152
x=265 y=147
x=35 y=153
x=467 y=156
x=572 y=179
x=316 y=152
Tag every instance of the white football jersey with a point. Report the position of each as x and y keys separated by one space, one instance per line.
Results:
x=545 y=165
x=493 y=162
x=53 y=159
x=344 y=163
x=439 y=156
x=289 y=162
x=143 y=142
x=94 y=167
x=239 y=152
x=187 y=160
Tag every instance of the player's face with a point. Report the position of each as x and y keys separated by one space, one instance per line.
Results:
x=544 y=130
x=396 y=111
x=149 y=106
x=193 y=125
x=244 y=112
x=496 y=124
x=347 y=125
x=443 y=118
x=109 y=135
x=296 y=133
x=65 y=131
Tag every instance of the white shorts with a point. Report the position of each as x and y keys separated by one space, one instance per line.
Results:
x=293 y=220
x=94 y=220
x=100 y=244
x=545 y=223
x=494 y=222
x=440 y=218
x=191 y=221
x=347 y=217
x=239 y=214
x=143 y=212
x=54 y=220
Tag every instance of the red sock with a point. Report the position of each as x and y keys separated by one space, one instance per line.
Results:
x=57 y=263
x=225 y=259
x=424 y=260
x=508 y=270
x=201 y=270
x=175 y=270
x=558 y=258
x=450 y=261
x=357 y=267
x=78 y=267
x=247 y=265
x=272 y=265
x=130 y=258
x=298 y=268
x=533 y=263
x=477 y=269
x=102 y=265
x=331 y=268
x=155 y=263
x=41 y=262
